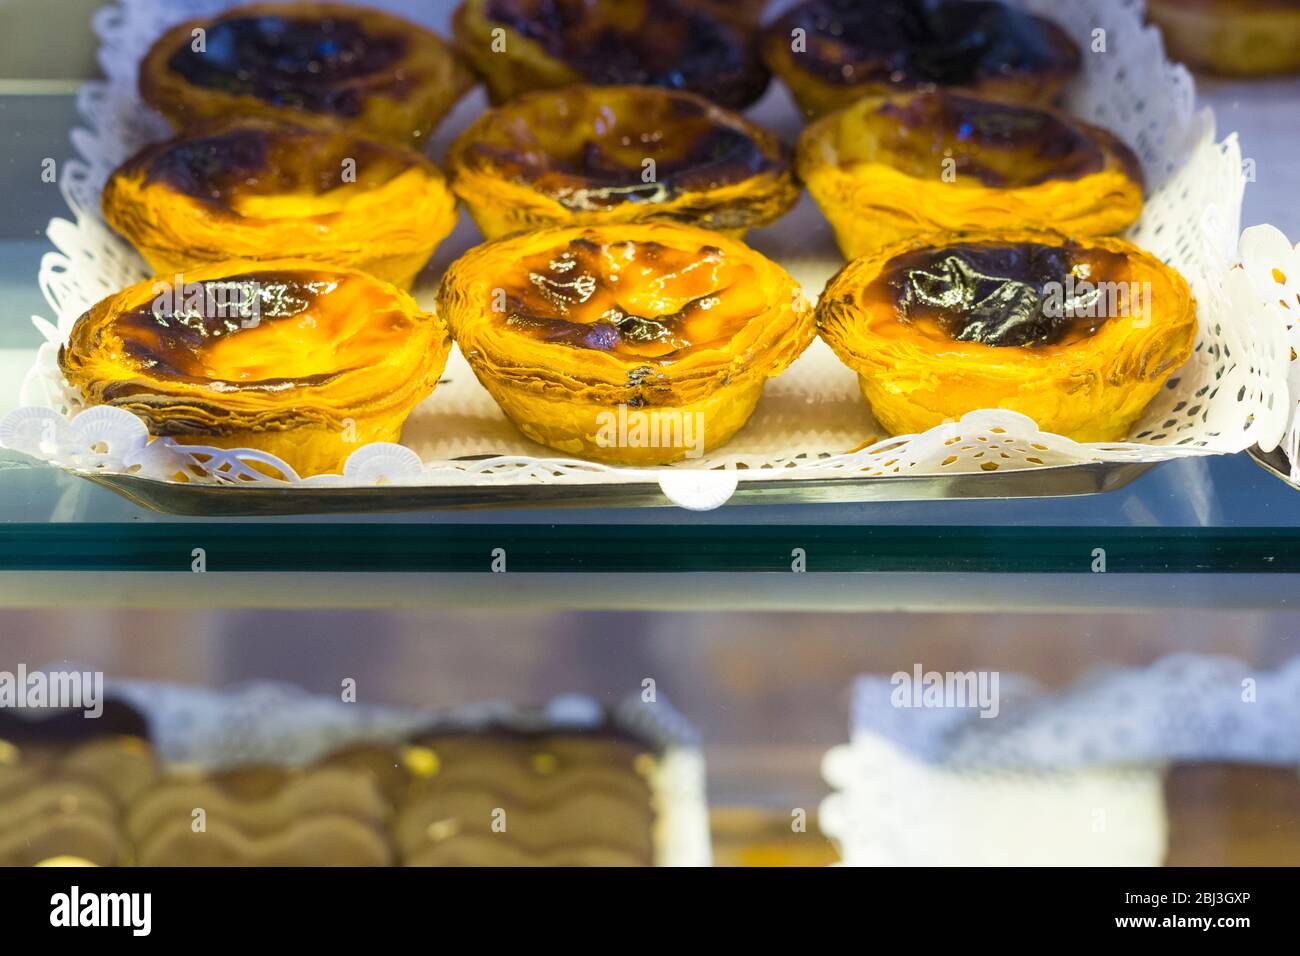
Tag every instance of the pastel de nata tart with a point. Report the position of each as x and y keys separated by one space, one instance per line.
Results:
x=521 y=45
x=635 y=343
x=261 y=189
x=325 y=65
x=1078 y=334
x=290 y=358
x=890 y=167
x=833 y=52
x=606 y=154
x=1231 y=37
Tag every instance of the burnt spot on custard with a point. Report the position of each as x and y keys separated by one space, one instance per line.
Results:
x=1000 y=145
x=1004 y=295
x=263 y=159
x=643 y=42
x=313 y=64
x=917 y=43
x=639 y=300
x=589 y=153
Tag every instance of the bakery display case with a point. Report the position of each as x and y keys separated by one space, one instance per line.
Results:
x=649 y=433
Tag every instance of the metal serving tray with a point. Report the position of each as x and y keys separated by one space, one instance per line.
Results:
x=234 y=500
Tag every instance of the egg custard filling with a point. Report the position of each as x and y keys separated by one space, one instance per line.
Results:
x=571 y=328
x=289 y=358
x=1079 y=334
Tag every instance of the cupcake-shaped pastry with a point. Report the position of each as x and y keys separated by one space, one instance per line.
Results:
x=895 y=166
x=1231 y=37
x=523 y=45
x=633 y=343
x=325 y=65
x=260 y=190
x=832 y=52
x=291 y=358
x=1078 y=334
x=606 y=154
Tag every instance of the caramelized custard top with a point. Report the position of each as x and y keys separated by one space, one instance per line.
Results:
x=914 y=43
x=1000 y=294
x=589 y=151
x=237 y=169
x=1000 y=145
x=645 y=42
x=262 y=331
x=639 y=300
x=308 y=63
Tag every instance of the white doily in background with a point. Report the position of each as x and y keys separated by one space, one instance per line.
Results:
x=1272 y=266
x=812 y=422
x=1074 y=776
x=265 y=722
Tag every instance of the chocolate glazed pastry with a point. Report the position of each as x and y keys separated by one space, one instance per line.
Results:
x=567 y=800
x=632 y=343
x=65 y=783
x=907 y=164
x=599 y=154
x=523 y=45
x=261 y=190
x=1231 y=37
x=289 y=358
x=1078 y=334
x=832 y=52
x=318 y=64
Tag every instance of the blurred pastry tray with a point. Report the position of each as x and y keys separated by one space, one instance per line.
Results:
x=260 y=499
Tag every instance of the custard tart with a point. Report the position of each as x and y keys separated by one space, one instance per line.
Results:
x=634 y=343
x=1078 y=334
x=290 y=358
x=833 y=52
x=1231 y=37
x=523 y=45
x=605 y=154
x=891 y=167
x=324 y=65
x=260 y=190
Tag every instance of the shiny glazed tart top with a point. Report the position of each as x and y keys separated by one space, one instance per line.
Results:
x=923 y=42
x=1022 y=294
x=586 y=147
x=999 y=145
x=643 y=301
x=260 y=331
x=309 y=63
x=643 y=42
x=250 y=169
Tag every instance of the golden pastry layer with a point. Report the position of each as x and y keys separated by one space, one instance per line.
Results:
x=639 y=343
x=517 y=46
x=593 y=154
x=288 y=358
x=325 y=65
x=887 y=168
x=833 y=52
x=259 y=190
x=1078 y=334
x=1231 y=37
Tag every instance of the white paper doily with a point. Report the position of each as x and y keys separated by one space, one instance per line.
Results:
x=266 y=722
x=812 y=422
x=1071 y=777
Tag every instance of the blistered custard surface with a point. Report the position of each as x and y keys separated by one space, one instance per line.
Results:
x=637 y=300
x=313 y=64
x=1023 y=294
x=588 y=149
